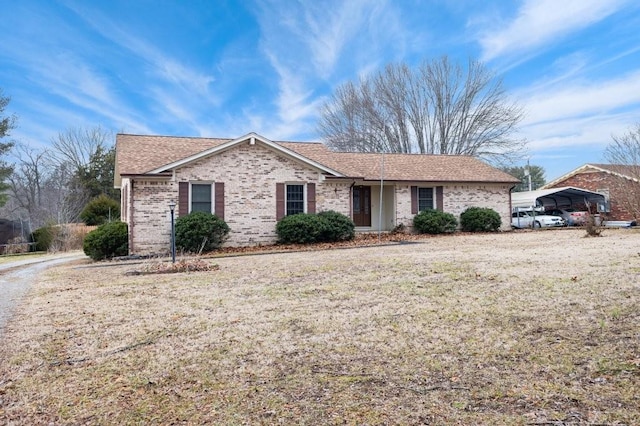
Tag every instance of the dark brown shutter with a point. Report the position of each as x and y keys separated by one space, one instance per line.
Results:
x=311 y=198
x=439 y=198
x=414 y=200
x=183 y=198
x=280 y=201
x=219 y=194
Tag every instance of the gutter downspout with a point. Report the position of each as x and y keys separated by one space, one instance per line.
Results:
x=131 y=216
x=511 y=207
x=351 y=199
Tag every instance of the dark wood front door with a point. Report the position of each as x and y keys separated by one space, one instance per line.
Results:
x=362 y=205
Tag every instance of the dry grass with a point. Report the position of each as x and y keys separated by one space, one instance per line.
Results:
x=16 y=257
x=518 y=328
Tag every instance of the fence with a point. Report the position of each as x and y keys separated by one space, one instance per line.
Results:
x=64 y=237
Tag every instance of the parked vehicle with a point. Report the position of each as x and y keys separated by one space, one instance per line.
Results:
x=571 y=216
x=529 y=219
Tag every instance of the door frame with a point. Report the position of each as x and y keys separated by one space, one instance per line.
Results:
x=362 y=215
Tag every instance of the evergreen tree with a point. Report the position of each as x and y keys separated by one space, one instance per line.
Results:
x=6 y=124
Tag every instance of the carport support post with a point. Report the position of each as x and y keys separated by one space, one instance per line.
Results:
x=172 y=207
x=533 y=223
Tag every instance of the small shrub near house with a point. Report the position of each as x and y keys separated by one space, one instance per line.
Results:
x=200 y=232
x=107 y=241
x=337 y=227
x=302 y=228
x=306 y=228
x=100 y=210
x=479 y=219
x=434 y=222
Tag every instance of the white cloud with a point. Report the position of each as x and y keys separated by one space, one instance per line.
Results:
x=566 y=101
x=542 y=22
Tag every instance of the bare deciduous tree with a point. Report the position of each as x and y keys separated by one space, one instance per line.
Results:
x=26 y=185
x=76 y=146
x=623 y=153
x=438 y=108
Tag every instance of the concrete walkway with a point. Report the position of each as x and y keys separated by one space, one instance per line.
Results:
x=17 y=277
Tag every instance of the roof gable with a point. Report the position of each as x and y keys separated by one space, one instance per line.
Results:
x=620 y=170
x=251 y=138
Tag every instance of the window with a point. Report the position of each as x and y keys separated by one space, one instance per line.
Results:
x=201 y=199
x=295 y=199
x=425 y=199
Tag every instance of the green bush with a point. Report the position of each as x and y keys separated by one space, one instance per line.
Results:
x=434 y=222
x=101 y=209
x=107 y=241
x=200 y=232
x=301 y=228
x=478 y=219
x=43 y=238
x=337 y=227
x=307 y=228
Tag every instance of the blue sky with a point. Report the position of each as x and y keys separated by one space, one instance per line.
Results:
x=226 y=68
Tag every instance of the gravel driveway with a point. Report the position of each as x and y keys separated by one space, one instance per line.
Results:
x=16 y=278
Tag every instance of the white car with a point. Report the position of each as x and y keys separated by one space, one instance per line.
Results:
x=530 y=219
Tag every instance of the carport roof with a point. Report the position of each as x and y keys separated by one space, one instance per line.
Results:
x=555 y=197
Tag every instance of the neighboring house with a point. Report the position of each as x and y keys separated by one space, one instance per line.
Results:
x=619 y=183
x=252 y=182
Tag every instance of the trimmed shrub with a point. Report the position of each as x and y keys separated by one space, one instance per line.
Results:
x=306 y=228
x=107 y=241
x=434 y=222
x=101 y=209
x=478 y=219
x=337 y=227
x=43 y=237
x=200 y=232
x=301 y=228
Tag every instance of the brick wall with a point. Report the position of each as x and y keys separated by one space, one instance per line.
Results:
x=250 y=174
x=457 y=197
x=618 y=189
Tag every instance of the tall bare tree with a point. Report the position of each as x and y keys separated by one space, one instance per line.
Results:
x=86 y=156
x=623 y=153
x=438 y=108
x=76 y=146
x=26 y=185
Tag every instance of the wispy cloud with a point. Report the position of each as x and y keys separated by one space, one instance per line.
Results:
x=542 y=22
x=573 y=100
x=312 y=44
x=177 y=93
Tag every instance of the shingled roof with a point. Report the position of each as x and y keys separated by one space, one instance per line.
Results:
x=139 y=155
x=630 y=172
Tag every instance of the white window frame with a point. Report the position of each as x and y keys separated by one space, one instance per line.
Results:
x=213 y=193
x=304 y=196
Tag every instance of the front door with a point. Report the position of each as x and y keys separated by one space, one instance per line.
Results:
x=362 y=205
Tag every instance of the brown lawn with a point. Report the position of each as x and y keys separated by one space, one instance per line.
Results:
x=516 y=328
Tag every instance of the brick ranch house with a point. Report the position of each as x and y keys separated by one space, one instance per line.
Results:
x=619 y=183
x=252 y=182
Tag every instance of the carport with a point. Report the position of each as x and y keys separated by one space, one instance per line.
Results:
x=567 y=196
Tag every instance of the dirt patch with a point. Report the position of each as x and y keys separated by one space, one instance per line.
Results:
x=515 y=328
